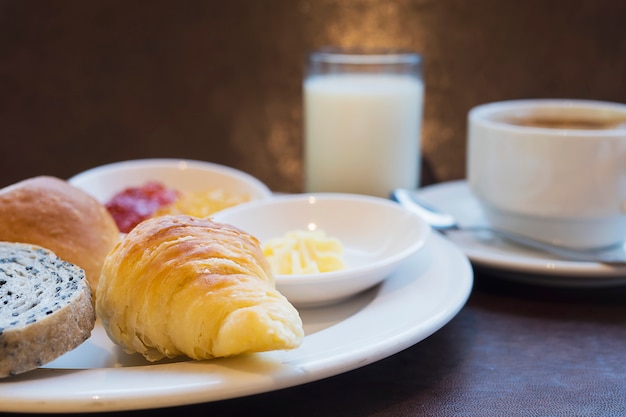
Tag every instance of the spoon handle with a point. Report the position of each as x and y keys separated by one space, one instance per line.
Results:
x=443 y=222
x=614 y=255
x=435 y=218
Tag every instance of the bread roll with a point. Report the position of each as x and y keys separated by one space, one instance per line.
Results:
x=46 y=307
x=179 y=285
x=49 y=212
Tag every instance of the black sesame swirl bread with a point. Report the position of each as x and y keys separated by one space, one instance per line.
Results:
x=46 y=308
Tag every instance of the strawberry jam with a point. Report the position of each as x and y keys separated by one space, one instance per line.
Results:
x=135 y=204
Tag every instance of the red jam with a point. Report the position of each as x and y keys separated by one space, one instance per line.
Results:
x=135 y=204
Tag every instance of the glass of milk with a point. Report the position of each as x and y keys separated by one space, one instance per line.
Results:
x=362 y=120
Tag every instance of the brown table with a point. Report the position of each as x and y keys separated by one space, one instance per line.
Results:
x=514 y=349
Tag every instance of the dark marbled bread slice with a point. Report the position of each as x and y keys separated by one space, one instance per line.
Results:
x=46 y=308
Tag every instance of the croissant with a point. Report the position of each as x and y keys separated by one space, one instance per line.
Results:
x=179 y=285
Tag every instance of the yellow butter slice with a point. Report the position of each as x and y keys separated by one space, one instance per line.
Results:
x=304 y=252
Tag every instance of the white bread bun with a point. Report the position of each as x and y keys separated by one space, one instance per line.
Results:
x=51 y=213
x=46 y=307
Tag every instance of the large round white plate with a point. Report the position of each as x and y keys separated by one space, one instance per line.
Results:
x=419 y=298
x=510 y=260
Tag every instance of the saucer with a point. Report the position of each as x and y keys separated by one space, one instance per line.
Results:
x=509 y=260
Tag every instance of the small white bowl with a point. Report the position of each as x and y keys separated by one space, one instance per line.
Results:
x=377 y=236
x=184 y=175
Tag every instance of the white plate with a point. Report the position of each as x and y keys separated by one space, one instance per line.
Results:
x=375 y=242
x=512 y=261
x=104 y=181
x=415 y=301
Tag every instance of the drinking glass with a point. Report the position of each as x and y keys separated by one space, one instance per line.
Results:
x=362 y=120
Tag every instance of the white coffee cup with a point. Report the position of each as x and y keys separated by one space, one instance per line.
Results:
x=554 y=170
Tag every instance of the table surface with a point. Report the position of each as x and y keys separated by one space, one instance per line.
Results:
x=514 y=349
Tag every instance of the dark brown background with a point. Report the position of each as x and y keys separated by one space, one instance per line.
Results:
x=83 y=83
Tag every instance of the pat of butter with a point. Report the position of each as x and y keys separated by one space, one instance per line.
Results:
x=304 y=252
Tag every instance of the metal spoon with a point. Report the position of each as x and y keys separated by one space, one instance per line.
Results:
x=445 y=222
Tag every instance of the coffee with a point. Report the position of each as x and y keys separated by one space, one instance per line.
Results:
x=565 y=123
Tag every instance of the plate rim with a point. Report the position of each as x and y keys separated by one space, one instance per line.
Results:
x=78 y=179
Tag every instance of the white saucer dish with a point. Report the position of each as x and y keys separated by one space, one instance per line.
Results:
x=377 y=235
x=420 y=297
x=105 y=181
x=509 y=260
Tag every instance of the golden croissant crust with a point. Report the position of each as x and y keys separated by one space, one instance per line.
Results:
x=179 y=285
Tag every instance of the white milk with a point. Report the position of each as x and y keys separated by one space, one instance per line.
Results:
x=362 y=133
